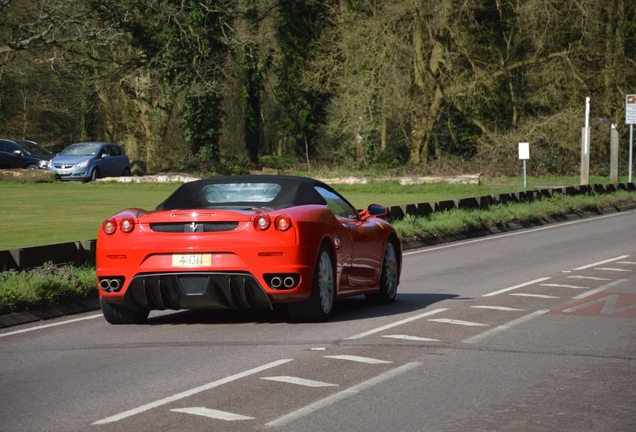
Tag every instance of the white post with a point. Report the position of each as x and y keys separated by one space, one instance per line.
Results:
x=585 y=146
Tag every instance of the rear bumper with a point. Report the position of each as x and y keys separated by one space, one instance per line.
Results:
x=193 y=290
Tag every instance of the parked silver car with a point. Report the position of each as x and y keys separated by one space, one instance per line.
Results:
x=88 y=161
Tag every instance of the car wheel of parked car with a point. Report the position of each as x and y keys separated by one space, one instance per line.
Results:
x=319 y=305
x=388 y=277
x=119 y=314
x=95 y=174
x=32 y=167
x=126 y=172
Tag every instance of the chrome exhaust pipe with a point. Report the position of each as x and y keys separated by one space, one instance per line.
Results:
x=276 y=282
x=114 y=284
x=289 y=282
x=104 y=284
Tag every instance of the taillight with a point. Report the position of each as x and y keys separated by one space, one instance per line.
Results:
x=109 y=226
x=283 y=222
x=127 y=225
x=262 y=222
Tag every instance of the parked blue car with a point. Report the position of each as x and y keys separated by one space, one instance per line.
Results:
x=88 y=161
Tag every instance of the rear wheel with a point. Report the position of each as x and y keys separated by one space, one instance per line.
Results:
x=126 y=172
x=32 y=167
x=388 y=278
x=120 y=314
x=95 y=174
x=319 y=305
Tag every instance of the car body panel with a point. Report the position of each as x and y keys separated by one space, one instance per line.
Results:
x=89 y=160
x=214 y=256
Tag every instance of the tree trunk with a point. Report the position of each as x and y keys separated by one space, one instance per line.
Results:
x=429 y=94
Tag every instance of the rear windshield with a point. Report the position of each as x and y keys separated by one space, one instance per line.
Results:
x=241 y=192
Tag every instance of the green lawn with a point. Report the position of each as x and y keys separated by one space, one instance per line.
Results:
x=35 y=214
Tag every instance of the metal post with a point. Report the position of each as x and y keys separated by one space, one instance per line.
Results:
x=525 y=178
x=631 y=143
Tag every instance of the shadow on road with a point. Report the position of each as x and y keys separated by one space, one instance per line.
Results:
x=350 y=309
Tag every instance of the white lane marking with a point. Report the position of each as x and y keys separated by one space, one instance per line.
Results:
x=504 y=327
x=358 y=359
x=599 y=289
x=516 y=287
x=515 y=233
x=299 y=381
x=412 y=338
x=397 y=323
x=458 y=322
x=337 y=397
x=212 y=413
x=534 y=295
x=45 y=326
x=564 y=286
x=612 y=269
x=626 y=262
x=588 y=277
x=499 y=308
x=601 y=262
x=190 y=392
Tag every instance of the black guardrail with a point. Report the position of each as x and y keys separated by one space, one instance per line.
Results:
x=83 y=252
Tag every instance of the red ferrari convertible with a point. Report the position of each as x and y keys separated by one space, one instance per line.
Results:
x=246 y=242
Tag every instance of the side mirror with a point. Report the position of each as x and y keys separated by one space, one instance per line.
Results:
x=17 y=152
x=374 y=210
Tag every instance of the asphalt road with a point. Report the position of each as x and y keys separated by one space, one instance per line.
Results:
x=533 y=330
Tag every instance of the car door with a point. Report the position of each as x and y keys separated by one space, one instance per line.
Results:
x=4 y=158
x=365 y=239
x=12 y=159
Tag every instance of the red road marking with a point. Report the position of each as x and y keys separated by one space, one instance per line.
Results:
x=604 y=304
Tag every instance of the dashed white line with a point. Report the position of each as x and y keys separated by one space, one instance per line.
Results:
x=397 y=323
x=564 y=286
x=190 y=392
x=458 y=322
x=534 y=295
x=411 y=338
x=299 y=381
x=499 y=308
x=358 y=359
x=504 y=327
x=626 y=262
x=512 y=288
x=337 y=397
x=602 y=262
x=599 y=289
x=212 y=413
x=612 y=269
x=589 y=277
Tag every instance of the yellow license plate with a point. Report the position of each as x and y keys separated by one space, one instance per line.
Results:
x=191 y=260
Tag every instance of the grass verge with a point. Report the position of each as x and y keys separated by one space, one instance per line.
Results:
x=46 y=286
x=453 y=222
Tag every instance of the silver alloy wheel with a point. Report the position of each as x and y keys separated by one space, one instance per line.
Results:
x=325 y=282
x=390 y=269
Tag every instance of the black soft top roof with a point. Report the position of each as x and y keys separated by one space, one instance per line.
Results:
x=294 y=191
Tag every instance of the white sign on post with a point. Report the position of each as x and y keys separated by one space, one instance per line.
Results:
x=630 y=109
x=524 y=155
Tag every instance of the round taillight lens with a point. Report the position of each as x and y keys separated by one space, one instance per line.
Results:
x=283 y=223
x=109 y=226
x=262 y=222
x=127 y=225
